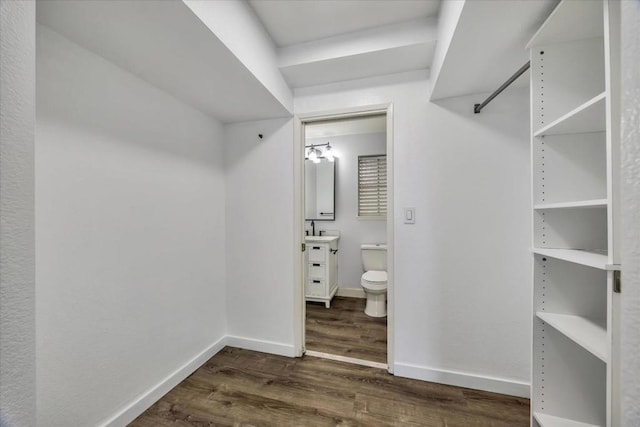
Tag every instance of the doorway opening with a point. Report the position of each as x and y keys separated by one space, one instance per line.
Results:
x=344 y=189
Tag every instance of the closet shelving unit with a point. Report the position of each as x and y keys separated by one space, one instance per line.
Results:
x=575 y=216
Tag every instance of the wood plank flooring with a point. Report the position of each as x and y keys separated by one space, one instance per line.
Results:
x=246 y=388
x=345 y=330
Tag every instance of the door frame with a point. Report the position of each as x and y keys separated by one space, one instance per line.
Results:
x=298 y=152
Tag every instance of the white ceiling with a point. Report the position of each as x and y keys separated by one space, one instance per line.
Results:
x=320 y=41
x=361 y=65
x=326 y=41
x=294 y=22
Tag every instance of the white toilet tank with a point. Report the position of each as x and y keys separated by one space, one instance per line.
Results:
x=374 y=257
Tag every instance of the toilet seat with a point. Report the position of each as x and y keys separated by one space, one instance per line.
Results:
x=374 y=280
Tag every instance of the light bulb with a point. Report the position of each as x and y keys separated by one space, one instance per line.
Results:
x=313 y=156
x=329 y=154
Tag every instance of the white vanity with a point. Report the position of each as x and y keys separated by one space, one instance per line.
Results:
x=322 y=268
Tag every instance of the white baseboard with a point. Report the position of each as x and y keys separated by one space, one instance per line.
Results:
x=463 y=379
x=150 y=397
x=455 y=378
x=351 y=292
x=262 y=346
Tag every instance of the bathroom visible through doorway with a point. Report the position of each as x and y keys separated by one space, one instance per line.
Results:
x=344 y=185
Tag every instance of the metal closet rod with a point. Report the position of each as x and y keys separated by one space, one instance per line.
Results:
x=478 y=107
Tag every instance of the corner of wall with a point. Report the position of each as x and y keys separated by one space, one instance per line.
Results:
x=630 y=207
x=149 y=397
x=17 y=252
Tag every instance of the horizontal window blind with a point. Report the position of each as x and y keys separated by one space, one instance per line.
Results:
x=372 y=186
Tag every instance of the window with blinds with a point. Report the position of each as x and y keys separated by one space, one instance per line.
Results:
x=372 y=186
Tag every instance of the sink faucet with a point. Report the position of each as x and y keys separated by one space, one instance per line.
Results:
x=313 y=228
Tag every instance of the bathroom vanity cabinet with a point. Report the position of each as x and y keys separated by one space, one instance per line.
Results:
x=321 y=262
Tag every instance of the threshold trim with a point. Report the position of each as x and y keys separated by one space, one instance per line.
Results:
x=346 y=359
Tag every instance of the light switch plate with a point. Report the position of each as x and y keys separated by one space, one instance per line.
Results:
x=409 y=215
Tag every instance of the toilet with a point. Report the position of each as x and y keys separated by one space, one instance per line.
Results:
x=374 y=279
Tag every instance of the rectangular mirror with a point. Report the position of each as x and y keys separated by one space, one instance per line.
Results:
x=319 y=190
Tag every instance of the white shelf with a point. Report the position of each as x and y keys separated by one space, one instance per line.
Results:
x=595 y=203
x=546 y=420
x=581 y=330
x=590 y=259
x=588 y=117
x=575 y=207
x=569 y=21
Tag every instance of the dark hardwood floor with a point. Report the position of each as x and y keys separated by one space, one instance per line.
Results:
x=345 y=330
x=246 y=388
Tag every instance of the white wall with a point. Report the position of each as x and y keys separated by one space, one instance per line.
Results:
x=17 y=248
x=353 y=231
x=259 y=234
x=130 y=238
x=630 y=214
x=463 y=270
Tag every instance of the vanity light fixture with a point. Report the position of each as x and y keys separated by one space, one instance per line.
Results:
x=314 y=154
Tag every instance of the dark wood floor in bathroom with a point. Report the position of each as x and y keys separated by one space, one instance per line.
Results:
x=345 y=330
x=246 y=388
